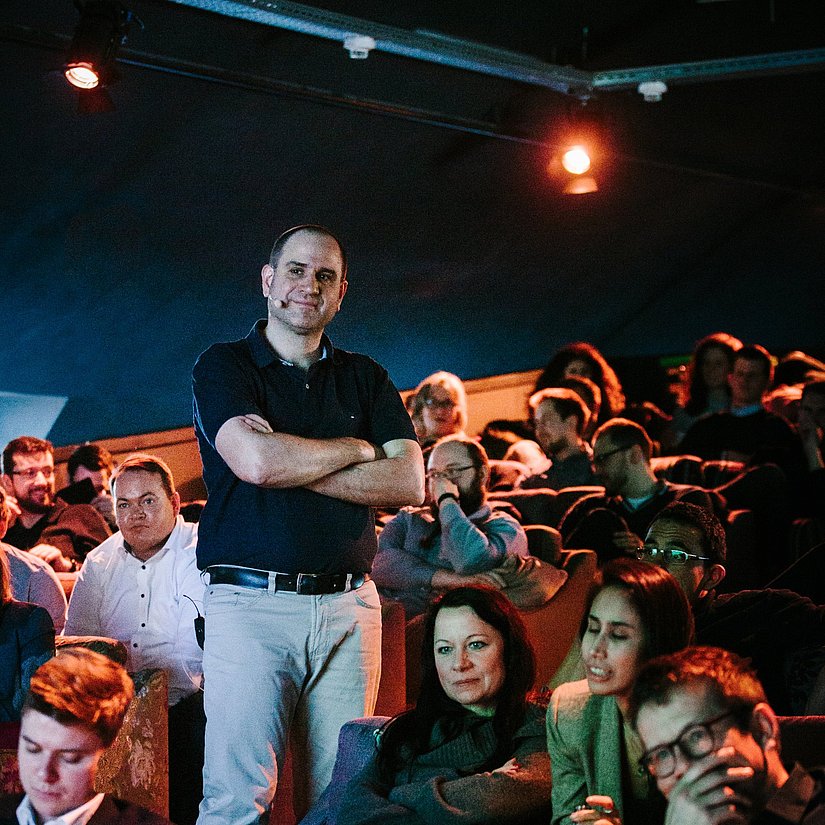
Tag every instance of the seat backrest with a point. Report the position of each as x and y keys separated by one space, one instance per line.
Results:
x=356 y=744
x=553 y=627
x=803 y=740
x=544 y=542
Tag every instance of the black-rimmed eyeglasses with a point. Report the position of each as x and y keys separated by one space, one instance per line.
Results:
x=695 y=742
x=602 y=457
x=674 y=557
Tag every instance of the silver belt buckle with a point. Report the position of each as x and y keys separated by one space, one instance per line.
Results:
x=299 y=584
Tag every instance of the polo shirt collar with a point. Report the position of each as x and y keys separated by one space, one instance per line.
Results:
x=263 y=354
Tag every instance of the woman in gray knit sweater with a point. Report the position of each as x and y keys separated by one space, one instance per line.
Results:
x=472 y=749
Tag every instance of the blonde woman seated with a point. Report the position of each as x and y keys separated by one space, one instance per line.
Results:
x=472 y=749
x=438 y=407
x=638 y=611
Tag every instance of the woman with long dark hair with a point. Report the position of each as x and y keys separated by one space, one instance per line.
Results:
x=583 y=359
x=637 y=611
x=707 y=381
x=472 y=748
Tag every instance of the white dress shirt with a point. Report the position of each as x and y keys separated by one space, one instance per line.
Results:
x=77 y=816
x=143 y=604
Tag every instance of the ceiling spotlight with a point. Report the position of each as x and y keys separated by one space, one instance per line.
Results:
x=576 y=160
x=652 y=90
x=100 y=31
x=359 y=46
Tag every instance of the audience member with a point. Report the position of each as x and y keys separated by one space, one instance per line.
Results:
x=632 y=617
x=141 y=586
x=747 y=432
x=93 y=462
x=427 y=550
x=613 y=523
x=781 y=632
x=589 y=392
x=32 y=580
x=299 y=441
x=472 y=748
x=59 y=533
x=811 y=429
x=797 y=368
x=584 y=359
x=500 y=435
x=560 y=418
x=72 y=713
x=708 y=390
x=438 y=407
x=712 y=744
x=26 y=641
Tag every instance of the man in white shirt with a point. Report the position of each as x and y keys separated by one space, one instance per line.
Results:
x=142 y=586
x=72 y=713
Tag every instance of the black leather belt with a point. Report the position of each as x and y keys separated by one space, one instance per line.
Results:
x=305 y=584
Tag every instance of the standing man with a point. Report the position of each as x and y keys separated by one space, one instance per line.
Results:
x=298 y=441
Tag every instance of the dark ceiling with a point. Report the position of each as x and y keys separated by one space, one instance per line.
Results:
x=132 y=239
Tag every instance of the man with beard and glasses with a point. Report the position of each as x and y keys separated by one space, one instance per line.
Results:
x=59 y=533
x=712 y=744
x=613 y=524
x=453 y=538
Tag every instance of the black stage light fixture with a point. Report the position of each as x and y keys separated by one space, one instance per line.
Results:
x=100 y=31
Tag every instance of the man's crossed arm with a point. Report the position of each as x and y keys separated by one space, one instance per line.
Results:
x=350 y=469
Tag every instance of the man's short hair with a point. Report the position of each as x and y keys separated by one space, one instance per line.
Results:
x=148 y=464
x=714 y=542
x=587 y=389
x=566 y=402
x=25 y=445
x=757 y=355
x=80 y=686
x=625 y=433
x=475 y=452
x=92 y=457
x=729 y=678
x=314 y=229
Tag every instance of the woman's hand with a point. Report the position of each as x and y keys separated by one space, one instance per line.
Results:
x=597 y=809
x=511 y=767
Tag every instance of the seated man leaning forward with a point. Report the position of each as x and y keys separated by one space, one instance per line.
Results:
x=72 y=713
x=141 y=586
x=447 y=543
x=712 y=744
x=59 y=533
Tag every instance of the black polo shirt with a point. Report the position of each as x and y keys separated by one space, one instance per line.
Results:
x=292 y=530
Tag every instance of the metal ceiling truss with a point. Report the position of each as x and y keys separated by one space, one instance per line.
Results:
x=489 y=60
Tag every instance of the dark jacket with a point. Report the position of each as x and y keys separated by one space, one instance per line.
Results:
x=111 y=812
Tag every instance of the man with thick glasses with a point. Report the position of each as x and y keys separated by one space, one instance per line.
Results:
x=613 y=523
x=712 y=744
x=454 y=538
x=781 y=632
x=59 y=533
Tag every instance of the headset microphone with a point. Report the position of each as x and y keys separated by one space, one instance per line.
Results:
x=280 y=303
